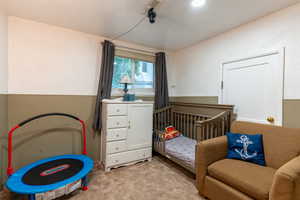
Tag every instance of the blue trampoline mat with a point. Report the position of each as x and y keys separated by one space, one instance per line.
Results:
x=16 y=183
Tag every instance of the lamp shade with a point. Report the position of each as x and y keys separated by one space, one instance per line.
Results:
x=126 y=79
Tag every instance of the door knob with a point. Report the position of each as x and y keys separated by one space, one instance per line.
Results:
x=271 y=119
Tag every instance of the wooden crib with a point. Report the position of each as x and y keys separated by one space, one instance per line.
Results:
x=196 y=122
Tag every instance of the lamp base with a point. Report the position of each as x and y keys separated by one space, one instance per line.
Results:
x=125 y=88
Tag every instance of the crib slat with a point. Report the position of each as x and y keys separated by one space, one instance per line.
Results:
x=195 y=128
x=176 y=120
x=191 y=126
x=184 y=124
x=181 y=123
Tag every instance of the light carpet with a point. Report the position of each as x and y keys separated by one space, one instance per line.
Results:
x=159 y=179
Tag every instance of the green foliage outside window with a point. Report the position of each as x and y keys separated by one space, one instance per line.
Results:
x=141 y=72
x=122 y=66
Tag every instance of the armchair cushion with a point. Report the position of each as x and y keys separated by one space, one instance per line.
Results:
x=251 y=179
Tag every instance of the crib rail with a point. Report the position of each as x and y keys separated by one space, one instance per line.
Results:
x=214 y=127
x=193 y=125
x=186 y=123
x=183 y=121
x=196 y=121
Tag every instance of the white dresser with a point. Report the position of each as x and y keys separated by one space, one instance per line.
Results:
x=126 y=136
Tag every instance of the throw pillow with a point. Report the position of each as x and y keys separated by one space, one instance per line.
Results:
x=246 y=147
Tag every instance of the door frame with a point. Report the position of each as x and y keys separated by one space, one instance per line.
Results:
x=280 y=52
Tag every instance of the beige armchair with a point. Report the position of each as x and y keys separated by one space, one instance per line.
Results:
x=219 y=178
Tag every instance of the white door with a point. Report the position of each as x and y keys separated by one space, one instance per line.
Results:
x=255 y=87
x=140 y=126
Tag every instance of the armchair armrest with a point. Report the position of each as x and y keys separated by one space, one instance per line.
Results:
x=208 y=152
x=286 y=183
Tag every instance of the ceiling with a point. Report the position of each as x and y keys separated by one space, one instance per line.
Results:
x=178 y=24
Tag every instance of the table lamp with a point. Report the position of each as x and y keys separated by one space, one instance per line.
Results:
x=126 y=80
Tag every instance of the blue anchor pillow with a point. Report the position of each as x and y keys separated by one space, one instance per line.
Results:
x=246 y=147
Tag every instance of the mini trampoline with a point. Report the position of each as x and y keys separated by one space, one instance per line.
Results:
x=51 y=173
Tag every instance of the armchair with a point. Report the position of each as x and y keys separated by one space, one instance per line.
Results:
x=219 y=178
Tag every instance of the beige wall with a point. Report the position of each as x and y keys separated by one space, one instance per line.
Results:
x=3 y=81
x=291 y=111
x=3 y=132
x=52 y=135
x=56 y=135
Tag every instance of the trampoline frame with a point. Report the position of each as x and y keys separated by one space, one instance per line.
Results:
x=16 y=177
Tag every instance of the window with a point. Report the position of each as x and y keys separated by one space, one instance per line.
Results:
x=122 y=67
x=141 y=73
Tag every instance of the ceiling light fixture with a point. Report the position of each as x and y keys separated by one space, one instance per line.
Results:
x=198 y=3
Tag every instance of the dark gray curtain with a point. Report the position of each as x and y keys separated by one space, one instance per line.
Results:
x=105 y=81
x=161 y=81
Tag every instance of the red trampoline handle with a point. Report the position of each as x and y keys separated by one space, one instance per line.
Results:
x=84 y=152
x=10 y=169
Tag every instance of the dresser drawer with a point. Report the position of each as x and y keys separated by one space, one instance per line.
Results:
x=117 y=122
x=116 y=109
x=116 y=134
x=115 y=147
x=129 y=156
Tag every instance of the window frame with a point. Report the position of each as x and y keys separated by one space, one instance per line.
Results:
x=138 y=91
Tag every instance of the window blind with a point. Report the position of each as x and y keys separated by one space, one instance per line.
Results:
x=134 y=55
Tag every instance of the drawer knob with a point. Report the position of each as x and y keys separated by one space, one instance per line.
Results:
x=118 y=123
x=117 y=135
x=117 y=148
x=118 y=110
x=116 y=161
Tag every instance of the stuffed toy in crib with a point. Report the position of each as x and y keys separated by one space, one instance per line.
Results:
x=170 y=133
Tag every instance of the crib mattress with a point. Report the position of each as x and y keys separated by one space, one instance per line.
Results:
x=182 y=148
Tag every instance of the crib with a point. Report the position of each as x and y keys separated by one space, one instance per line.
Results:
x=196 y=122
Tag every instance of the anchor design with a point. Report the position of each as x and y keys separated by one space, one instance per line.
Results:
x=244 y=152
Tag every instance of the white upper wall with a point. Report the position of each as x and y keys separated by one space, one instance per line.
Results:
x=45 y=59
x=197 y=68
x=3 y=48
